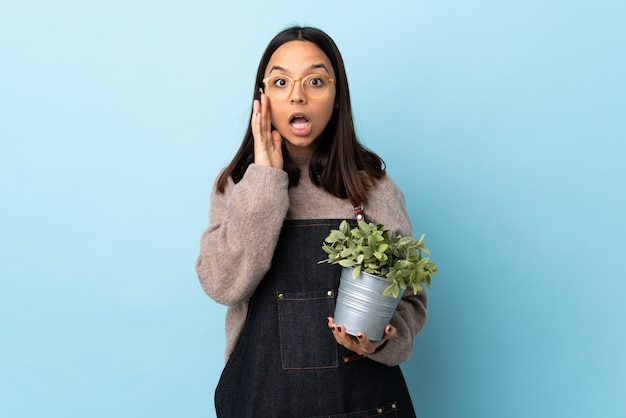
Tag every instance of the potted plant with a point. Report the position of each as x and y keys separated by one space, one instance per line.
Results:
x=378 y=266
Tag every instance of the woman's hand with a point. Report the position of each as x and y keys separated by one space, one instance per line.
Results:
x=359 y=344
x=267 y=143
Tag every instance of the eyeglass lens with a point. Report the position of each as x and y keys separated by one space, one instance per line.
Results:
x=280 y=86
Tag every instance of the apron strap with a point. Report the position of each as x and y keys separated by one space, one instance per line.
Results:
x=358 y=212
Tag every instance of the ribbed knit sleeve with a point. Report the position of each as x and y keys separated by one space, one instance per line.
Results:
x=387 y=206
x=236 y=249
x=409 y=319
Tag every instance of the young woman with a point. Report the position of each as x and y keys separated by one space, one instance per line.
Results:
x=299 y=171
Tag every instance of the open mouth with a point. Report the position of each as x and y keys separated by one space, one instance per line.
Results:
x=299 y=121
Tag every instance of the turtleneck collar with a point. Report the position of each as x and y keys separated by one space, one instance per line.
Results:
x=301 y=161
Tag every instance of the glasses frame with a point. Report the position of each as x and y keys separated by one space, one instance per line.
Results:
x=329 y=80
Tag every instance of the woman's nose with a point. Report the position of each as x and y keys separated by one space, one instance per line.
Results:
x=297 y=93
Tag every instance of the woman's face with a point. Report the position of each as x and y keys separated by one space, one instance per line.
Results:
x=300 y=119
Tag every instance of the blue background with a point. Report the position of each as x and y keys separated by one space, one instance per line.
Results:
x=504 y=122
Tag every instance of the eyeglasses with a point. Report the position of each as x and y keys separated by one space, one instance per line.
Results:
x=314 y=86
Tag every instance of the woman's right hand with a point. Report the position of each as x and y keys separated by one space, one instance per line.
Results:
x=267 y=142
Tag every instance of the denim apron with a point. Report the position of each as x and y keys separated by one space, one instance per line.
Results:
x=286 y=362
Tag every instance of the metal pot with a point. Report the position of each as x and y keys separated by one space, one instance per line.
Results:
x=361 y=305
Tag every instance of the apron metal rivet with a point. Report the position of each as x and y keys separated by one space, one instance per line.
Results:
x=379 y=410
x=393 y=405
x=280 y=296
x=329 y=293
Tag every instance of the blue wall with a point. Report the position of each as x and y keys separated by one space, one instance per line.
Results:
x=503 y=122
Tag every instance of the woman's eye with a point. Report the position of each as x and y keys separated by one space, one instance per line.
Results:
x=316 y=82
x=281 y=82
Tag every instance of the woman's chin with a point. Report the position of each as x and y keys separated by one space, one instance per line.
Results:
x=300 y=146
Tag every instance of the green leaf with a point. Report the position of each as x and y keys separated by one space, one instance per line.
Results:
x=417 y=288
x=335 y=236
x=346 y=252
x=392 y=290
x=328 y=249
x=401 y=264
x=344 y=227
x=347 y=263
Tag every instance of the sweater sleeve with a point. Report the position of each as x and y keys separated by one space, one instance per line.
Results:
x=236 y=249
x=410 y=315
x=408 y=319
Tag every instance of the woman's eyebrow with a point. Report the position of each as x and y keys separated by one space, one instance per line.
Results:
x=277 y=68
x=313 y=67
x=316 y=66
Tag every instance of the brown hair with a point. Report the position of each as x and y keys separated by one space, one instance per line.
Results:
x=340 y=164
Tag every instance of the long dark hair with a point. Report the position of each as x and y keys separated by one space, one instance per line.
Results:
x=340 y=164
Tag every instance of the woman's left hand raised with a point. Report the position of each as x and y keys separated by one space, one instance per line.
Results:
x=359 y=344
x=267 y=142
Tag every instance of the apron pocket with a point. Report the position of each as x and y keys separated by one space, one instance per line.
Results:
x=389 y=410
x=305 y=340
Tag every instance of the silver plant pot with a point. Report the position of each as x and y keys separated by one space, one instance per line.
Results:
x=361 y=305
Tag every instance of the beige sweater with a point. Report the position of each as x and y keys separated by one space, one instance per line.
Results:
x=244 y=224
